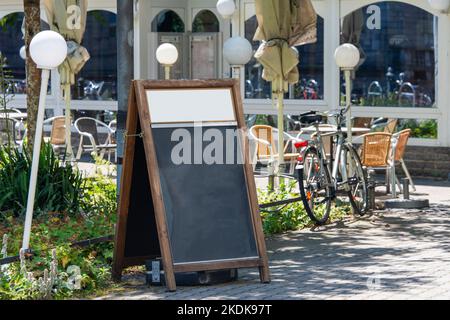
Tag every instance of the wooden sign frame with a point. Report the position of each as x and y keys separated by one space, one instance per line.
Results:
x=139 y=117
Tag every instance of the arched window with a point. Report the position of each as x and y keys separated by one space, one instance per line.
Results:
x=98 y=78
x=397 y=43
x=11 y=40
x=311 y=67
x=167 y=21
x=205 y=21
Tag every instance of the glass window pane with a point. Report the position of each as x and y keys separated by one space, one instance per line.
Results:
x=397 y=43
x=98 y=78
x=167 y=21
x=311 y=68
x=205 y=21
x=11 y=40
x=255 y=86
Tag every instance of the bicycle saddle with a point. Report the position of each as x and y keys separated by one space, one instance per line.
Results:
x=310 y=119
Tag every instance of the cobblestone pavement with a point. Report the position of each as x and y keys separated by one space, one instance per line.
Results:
x=390 y=255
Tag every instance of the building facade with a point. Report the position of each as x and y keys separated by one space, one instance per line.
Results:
x=403 y=74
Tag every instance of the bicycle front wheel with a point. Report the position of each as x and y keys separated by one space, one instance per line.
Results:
x=357 y=181
x=315 y=187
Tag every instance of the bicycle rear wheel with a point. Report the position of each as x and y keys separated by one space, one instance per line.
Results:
x=315 y=187
x=357 y=180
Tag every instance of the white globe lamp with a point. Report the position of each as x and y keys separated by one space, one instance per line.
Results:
x=347 y=56
x=440 y=5
x=48 y=49
x=23 y=52
x=237 y=51
x=226 y=8
x=167 y=55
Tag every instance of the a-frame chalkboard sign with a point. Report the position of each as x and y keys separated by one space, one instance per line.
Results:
x=177 y=204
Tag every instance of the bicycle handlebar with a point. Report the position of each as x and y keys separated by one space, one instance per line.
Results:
x=337 y=114
x=333 y=113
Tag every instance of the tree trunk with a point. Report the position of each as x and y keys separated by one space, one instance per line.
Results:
x=32 y=27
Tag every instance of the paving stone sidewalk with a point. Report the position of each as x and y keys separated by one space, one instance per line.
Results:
x=390 y=255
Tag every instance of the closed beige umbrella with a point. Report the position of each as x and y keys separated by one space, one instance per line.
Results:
x=68 y=18
x=283 y=24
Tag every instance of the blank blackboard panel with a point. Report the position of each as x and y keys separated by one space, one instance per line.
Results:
x=207 y=206
x=141 y=236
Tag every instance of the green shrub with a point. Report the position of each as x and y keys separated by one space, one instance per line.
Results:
x=293 y=216
x=64 y=273
x=59 y=188
x=284 y=218
x=424 y=129
x=100 y=192
x=57 y=230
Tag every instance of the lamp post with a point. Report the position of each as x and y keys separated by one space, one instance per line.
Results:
x=226 y=8
x=440 y=5
x=48 y=50
x=347 y=58
x=167 y=55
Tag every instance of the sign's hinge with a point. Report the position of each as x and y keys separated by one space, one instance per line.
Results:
x=126 y=135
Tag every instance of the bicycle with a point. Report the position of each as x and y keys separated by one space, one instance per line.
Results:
x=320 y=186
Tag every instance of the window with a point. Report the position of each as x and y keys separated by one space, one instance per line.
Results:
x=311 y=68
x=168 y=21
x=398 y=55
x=98 y=78
x=11 y=40
x=205 y=21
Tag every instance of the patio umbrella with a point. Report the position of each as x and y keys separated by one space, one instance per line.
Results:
x=283 y=24
x=68 y=18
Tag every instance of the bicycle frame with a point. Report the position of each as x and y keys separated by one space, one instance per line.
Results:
x=339 y=160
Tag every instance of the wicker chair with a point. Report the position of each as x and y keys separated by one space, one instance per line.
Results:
x=327 y=141
x=265 y=151
x=58 y=133
x=362 y=122
x=384 y=125
x=391 y=126
x=399 y=143
x=376 y=155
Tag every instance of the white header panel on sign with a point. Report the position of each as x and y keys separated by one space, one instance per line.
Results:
x=190 y=105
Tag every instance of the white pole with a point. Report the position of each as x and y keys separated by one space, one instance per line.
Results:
x=348 y=100
x=68 y=124
x=236 y=72
x=35 y=164
x=167 y=69
x=280 y=97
